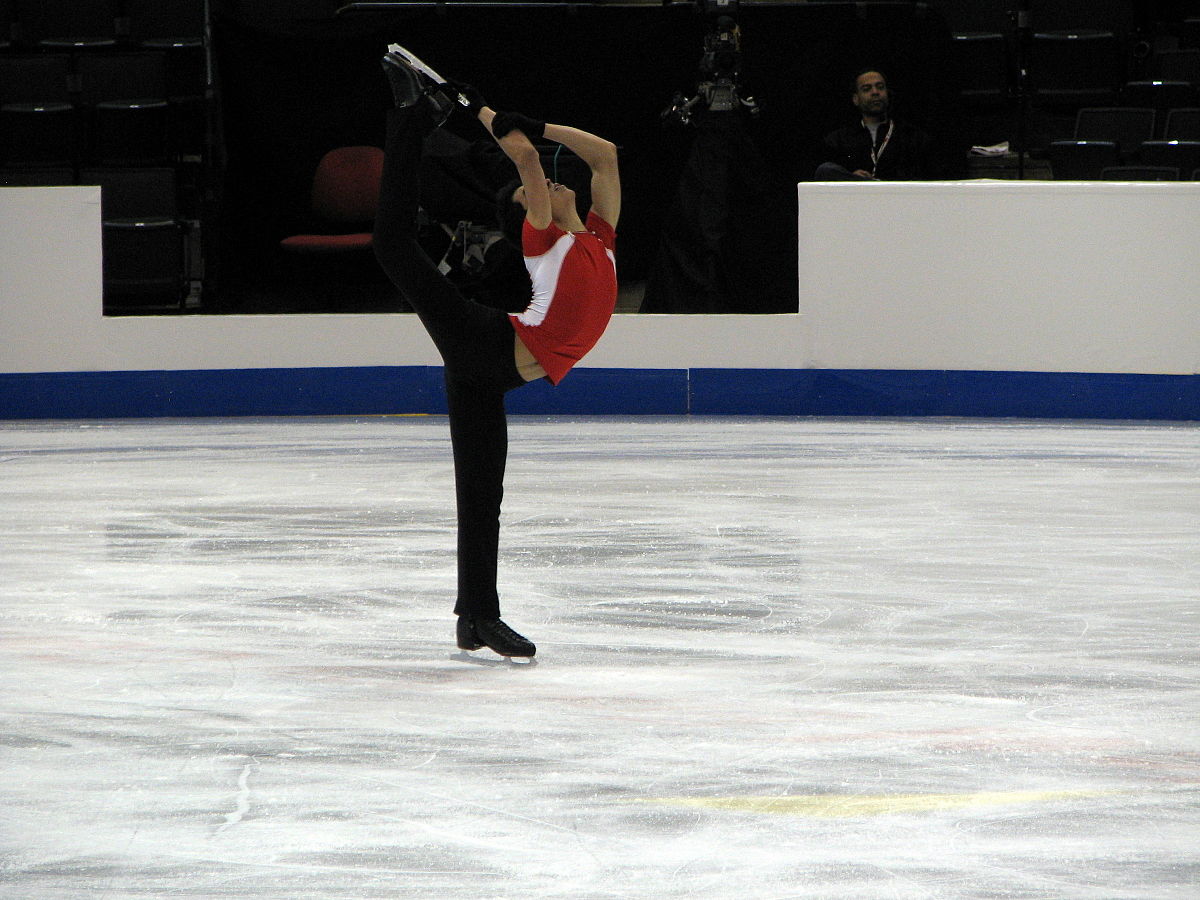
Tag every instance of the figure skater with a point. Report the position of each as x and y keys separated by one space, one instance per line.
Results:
x=487 y=352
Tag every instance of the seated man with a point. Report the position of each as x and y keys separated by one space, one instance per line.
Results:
x=879 y=147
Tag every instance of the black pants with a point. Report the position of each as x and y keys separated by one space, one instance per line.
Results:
x=476 y=345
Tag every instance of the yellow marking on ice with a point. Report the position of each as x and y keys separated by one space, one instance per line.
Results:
x=839 y=806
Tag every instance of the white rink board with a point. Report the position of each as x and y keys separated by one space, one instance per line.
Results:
x=1001 y=276
x=994 y=276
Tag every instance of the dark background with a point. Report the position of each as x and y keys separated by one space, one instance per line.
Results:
x=296 y=79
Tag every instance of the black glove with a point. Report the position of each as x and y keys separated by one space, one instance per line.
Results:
x=465 y=96
x=507 y=121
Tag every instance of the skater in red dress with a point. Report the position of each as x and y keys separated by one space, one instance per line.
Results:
x=487 y=352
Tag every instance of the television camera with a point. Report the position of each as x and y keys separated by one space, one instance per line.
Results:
x=720 y=65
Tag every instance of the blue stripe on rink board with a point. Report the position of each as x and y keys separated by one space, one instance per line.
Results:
x=382 y=390
x=865 y=392
x=378 y=390
x=221 y=392
x=654 y=392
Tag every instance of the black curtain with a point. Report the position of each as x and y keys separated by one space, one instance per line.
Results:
x=296 y=80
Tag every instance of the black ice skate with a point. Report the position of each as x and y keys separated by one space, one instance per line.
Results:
x=475 y=633
x=412 y=87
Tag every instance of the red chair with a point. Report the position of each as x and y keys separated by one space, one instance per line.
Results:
x=345 y=196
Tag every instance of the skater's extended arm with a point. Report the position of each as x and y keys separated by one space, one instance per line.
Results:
x=517 y=147
x=600 y=156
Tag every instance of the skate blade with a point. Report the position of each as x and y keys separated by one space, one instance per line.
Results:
x=413 y=60
x=494 y=662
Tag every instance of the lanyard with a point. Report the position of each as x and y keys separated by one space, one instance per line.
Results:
x=875 y=154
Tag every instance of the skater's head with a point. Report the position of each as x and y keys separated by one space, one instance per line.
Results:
x=511 y=208
x=509 y=213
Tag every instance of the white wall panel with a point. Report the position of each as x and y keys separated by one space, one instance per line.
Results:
x=1002 y=276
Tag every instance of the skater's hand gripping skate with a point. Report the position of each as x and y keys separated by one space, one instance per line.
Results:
x=465 y=95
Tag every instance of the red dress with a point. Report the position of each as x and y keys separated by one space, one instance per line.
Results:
x=574 y=278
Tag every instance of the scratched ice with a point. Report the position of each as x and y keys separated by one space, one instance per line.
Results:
x=777 y=658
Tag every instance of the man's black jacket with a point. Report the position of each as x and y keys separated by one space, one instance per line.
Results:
x=908 y=156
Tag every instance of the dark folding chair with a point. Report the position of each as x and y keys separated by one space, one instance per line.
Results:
x=1074 y=69
x=1140 y=173
x=1182 y=125
x=37 y=117
x=125 y=98
x=177 y=28
x=158 y=24
x=1160 y=96
x=143 y=239
x=58 y=177
x=6 y=25
x=981 y=68
x=68 y=25
x=1082 y=160
x=1189 y=33
x=1178 y=65
x=1128 y=127
x=1181 y=155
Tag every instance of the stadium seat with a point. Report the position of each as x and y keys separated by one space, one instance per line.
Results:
x=177 y=28
x=56 y=177
x=161 y=23
x=1189 y=33
x=1140 y=173
x=1128 y=127
x=6 y=25
x=1182 y=125
x=344 y=198
x=1082 y=160
x=68 y=25
x=124 y=97
x=1160 y=96
x=37 y=116
x=1181 y=155
x=143 y=239
x=981 y=68
x=1076 y=69
x=1178 y=65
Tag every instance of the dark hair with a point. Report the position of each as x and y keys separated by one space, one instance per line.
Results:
x=859 y=73
x=510 y=215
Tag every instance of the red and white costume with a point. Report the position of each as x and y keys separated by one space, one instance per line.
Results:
x=574 y=278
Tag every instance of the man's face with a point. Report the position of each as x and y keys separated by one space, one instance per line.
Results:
x=871 y=94
x=562 y=199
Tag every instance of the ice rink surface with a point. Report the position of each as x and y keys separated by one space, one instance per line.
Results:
x=776 y=658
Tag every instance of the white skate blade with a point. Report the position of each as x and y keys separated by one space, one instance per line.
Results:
x=416 y=63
